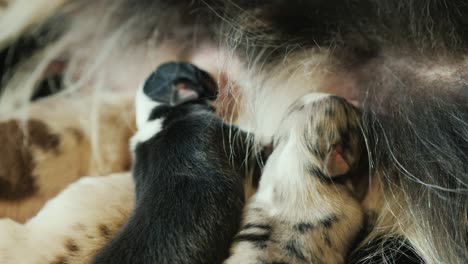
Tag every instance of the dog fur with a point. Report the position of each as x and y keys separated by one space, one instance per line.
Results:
x=402 y=62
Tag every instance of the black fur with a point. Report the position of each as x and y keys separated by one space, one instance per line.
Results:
x=416 y=129
x=15 y=53
x=355 y=30
x=293 y=249
x=328 y=221
x=189 y=186
x=304 y=227
x=161 y=86
x=189 y=193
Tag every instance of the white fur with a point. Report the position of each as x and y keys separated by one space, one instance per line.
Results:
x=75 y=215
x=266 y=97
x=144 y=105
x=22 y=14
x=289 y=194
x=146 y=130
x=313 y=97
x=284 y=176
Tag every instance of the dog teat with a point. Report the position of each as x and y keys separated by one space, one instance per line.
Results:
x=174 y=83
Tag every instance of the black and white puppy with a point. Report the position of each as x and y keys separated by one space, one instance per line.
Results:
x=189 y=174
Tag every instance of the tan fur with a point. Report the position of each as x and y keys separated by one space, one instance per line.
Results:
x=71 y=227
x=299 y=215
x=55 y=168
x=25 y=14
x=105 y=65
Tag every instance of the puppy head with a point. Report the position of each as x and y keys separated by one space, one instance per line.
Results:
x=175 y=83
x=172 y=84
x=320 y=136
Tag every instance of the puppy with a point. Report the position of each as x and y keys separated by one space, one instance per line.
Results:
x=404 y=63
x=305 y=209
x=189 y=175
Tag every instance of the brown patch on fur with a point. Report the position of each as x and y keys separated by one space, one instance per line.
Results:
x=39 y=135
x=71 y=246
x=16 y=162
x=104 y=230
x=60 y=260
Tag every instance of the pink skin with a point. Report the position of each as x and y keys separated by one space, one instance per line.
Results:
x=125 y=73
x=214 y=61
x=343 y=84
x=336 y=163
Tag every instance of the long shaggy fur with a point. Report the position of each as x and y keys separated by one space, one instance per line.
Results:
x=402 y=61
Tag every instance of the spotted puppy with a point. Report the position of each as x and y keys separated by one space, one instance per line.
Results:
x=305 y=210
x=71 y=227
x=188 y=172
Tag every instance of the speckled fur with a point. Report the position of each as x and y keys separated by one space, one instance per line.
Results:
x=53 y=148
x=73 y=226
x=407 y=72
x=304 y=210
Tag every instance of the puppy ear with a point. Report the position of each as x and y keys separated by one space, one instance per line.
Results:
x=183 y=92
x=175 y=83
x=336 y=164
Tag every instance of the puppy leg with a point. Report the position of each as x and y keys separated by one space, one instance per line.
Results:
x=72 y=227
